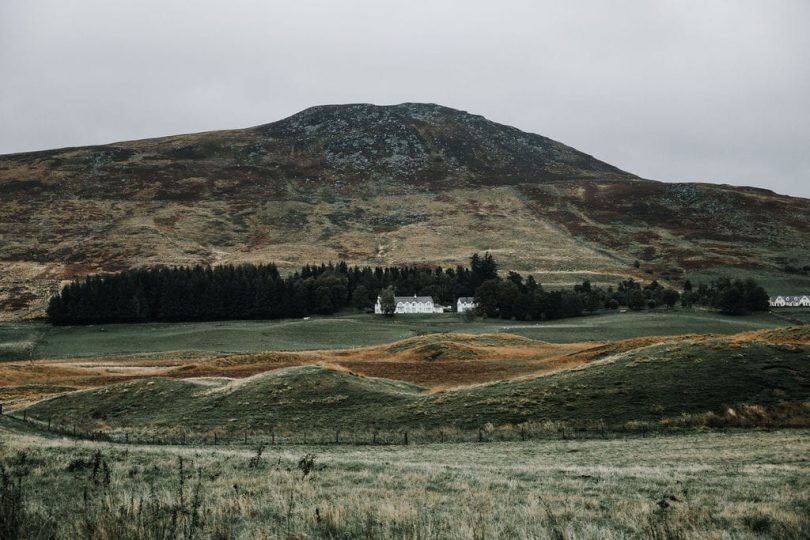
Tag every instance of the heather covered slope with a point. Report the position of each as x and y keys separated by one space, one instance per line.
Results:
x=645 y=381
x=397 y=184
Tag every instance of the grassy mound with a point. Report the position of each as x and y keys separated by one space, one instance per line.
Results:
x=314 y=397
x=639 y=381
x=645 y=384
x=454 y=346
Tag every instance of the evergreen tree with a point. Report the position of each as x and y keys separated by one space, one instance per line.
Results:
x=486 y=296
x=670 y=297
x=249 y=291
x=361 y=298
x=388 y=303
x=635 y=299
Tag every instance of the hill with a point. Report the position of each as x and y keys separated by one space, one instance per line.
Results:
x=369 y=184
x=645 y=380
x=436 y=351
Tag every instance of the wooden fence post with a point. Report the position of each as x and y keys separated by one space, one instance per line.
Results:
x=49 y=423
x=337 y=437
x=480 y=435
x=522 y=433
x=406 y=438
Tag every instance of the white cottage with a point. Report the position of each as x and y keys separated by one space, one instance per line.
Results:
x=411 y=304
x=465 y=303
x=790 y=301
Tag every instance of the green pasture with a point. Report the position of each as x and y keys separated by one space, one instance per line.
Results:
x=22 y=340
x=776 y=283
x=646 y=384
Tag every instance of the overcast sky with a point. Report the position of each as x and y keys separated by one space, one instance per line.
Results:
x=703 y=90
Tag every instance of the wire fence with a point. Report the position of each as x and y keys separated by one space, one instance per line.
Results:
x=355 y=437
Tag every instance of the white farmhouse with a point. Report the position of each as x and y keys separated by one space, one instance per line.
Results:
x=790 y=301
x=465 y=303
x=411 y=304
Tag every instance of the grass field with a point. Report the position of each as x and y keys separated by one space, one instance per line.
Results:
x=776 y=283
x=19 y=339
x=703 y=485
x=39 y=340
x=799 y=314
x=635 y=381
x=581 y=391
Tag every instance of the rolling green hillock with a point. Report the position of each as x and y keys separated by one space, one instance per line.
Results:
x=311 y=397
x=130 y=403
x=649 y=383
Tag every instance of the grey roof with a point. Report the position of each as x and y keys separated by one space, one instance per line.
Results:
x=422 y=299
x=466 y=299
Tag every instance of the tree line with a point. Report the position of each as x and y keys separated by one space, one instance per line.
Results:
x=249 y=291
x=516 y=298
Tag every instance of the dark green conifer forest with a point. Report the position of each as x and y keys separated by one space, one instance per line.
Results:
x=247 y=291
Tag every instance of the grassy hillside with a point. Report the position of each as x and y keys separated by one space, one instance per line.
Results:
x=412 y=183
x=38 y=340
x=691 y=375
x=437 y=361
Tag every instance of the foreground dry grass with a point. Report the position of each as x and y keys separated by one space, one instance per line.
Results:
x=702 y=485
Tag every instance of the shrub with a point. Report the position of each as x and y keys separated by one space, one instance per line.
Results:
x=306 y=464
x=12 y=506
x=256 y=460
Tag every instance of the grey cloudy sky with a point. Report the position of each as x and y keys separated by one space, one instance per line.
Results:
x=704 y=90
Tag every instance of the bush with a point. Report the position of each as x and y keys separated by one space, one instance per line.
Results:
x=636 y=300
x=12 y=506
x=306 y=464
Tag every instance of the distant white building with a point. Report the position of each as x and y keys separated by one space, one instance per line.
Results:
x=411 y=304
x=789 y=301
x=465 y=303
